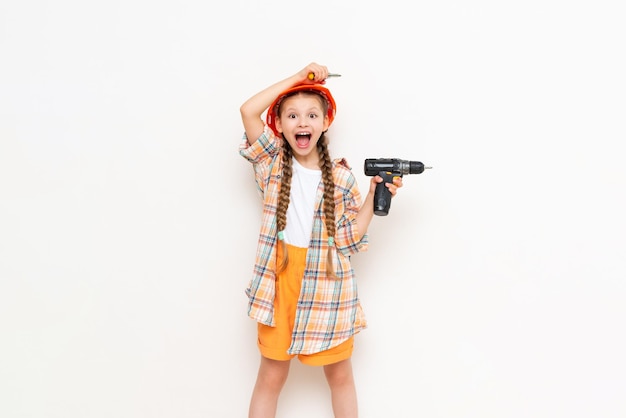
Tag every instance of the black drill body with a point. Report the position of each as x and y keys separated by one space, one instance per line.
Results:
x=388 y=168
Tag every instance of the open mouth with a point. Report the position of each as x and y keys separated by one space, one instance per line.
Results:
x=303 y=139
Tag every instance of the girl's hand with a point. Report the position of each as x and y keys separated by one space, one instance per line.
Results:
x=393 y=187
x=320 y=73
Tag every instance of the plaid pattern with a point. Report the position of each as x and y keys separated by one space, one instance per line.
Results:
x=328 y=310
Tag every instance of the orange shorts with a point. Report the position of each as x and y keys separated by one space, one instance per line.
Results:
x=274 y=342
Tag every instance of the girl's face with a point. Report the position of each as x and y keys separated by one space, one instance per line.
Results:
x=302 y=120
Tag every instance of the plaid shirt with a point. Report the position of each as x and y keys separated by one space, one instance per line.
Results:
x=328 y=310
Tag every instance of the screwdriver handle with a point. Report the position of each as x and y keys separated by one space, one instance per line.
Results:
x=312 y=76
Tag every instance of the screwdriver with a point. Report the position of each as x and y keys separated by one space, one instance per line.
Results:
x=312 y=76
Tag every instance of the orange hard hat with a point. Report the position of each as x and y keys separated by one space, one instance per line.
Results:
x=272 y=111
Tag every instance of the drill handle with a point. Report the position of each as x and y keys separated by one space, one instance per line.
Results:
x=382 y=195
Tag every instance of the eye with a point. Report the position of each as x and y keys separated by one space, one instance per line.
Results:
x=291 y=116
x=313 y=115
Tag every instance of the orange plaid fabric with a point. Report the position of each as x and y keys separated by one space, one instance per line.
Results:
x=328 y=311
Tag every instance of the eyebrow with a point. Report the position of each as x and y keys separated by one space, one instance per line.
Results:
x=287 y=109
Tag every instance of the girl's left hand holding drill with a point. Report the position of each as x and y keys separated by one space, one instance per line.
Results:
x=393 y=187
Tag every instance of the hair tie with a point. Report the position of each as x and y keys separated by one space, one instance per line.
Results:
x=331 y=241
x=281 y=235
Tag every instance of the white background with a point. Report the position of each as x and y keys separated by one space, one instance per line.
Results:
x=128 y=221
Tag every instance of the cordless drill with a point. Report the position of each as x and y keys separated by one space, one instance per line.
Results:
x=388 y=168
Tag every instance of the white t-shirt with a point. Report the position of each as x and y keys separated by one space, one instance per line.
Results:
x=304 y=184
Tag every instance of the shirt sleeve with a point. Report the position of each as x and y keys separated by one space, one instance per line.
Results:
x=263 y=148
x=347 y=237
x=261 y=154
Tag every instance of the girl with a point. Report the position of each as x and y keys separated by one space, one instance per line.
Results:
x=303 y=293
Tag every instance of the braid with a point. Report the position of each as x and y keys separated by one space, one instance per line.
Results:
x=283 y=202
x=329 y=198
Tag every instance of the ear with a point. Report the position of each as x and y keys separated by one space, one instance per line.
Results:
x=279 y=125
x=326 y=123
